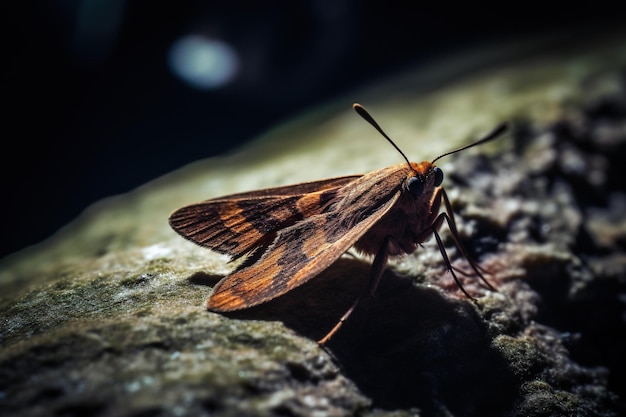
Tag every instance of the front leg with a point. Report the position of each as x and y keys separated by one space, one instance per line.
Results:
x=457 y=241
x=434 y=230
x=435 y=221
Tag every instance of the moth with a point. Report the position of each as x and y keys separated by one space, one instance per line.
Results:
x=287 y=235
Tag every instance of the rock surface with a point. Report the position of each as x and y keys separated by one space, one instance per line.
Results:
x=106 y=318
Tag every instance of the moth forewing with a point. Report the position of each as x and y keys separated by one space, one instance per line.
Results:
x=306 y=248
x=290 y=234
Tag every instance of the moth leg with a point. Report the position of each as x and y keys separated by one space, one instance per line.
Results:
x=442 y=249
x=378 y=266
x=452 y=225
x=434 y=229
x=334 y=330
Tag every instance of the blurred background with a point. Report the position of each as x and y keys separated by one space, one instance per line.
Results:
x=102 y=96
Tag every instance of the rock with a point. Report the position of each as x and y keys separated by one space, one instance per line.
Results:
x=107 y=317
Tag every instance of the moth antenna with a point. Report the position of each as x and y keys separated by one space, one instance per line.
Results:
x=500 y=129
x=368 y=118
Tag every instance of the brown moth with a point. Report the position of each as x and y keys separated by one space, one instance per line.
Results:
x=289 y=234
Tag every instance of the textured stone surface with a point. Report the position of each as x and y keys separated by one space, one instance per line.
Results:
x=107 y=317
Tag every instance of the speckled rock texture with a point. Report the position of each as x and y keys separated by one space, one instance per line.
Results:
x=107 y=317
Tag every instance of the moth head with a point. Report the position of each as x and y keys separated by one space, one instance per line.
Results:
x=422 y=177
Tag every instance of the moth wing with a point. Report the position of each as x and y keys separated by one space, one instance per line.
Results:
x=243 y=222
x=293 y=189
x=297 y=254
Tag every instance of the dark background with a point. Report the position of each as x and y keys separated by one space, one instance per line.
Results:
x=92 y=109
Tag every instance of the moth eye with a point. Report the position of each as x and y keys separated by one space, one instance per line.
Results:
x=415 y=186
x=438 y=176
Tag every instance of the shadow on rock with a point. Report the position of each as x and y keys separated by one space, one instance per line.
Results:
x=408 y=347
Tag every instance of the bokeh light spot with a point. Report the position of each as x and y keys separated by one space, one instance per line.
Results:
x=203 y=63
